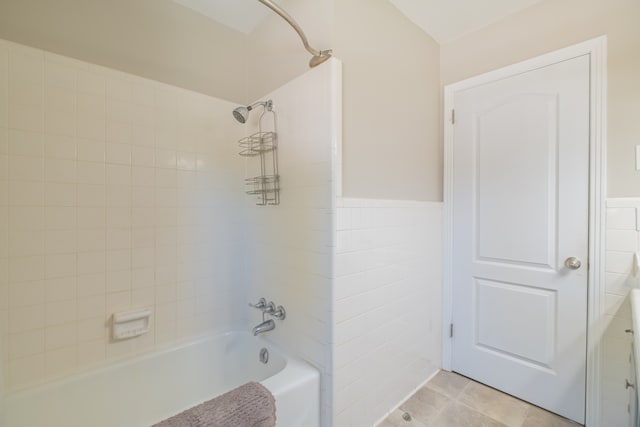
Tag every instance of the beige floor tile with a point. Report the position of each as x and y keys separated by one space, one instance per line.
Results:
x=495 y=404
x=425 y=405
x=396 y=420
x=448 y=383
x=456 y=414
x=450 y=400
x=537 y=417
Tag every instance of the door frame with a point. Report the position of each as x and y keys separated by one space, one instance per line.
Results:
x=597 y=50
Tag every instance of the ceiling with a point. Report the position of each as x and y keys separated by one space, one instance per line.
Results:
x=241 y=15
x=444 y=20
x=448 y=20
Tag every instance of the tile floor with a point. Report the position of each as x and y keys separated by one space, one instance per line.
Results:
x=451 y=400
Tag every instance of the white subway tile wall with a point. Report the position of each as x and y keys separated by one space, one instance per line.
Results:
x=387 y=296
x=622 y=241
x=290 y=247
x=116 y=192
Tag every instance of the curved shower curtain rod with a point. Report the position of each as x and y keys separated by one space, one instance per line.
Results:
x=319 y=56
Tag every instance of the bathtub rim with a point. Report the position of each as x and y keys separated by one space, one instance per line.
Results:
x=291 y=361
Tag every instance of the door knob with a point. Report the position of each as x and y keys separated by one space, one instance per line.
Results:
x=572 y=263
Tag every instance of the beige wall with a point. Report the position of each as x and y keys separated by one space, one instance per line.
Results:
x=157 y=39
x=553 y=24
x=391 y=103
x=391 y=95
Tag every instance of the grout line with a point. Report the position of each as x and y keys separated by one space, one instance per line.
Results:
x=450 y=402
x=481 y=411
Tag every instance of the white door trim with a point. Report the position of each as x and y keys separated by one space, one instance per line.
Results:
x=597 y=49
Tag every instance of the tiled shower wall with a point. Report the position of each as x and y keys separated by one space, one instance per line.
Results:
x=115 y=193
x=387 y=302
x=290 y=246
x=623 y=240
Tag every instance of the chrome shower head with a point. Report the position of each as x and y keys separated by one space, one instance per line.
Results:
x=319 y=59
x=241 y=114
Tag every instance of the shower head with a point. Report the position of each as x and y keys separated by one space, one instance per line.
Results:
x=241 y=113
x=320 y=58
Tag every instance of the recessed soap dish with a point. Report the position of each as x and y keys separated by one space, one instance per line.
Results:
x=129 y=324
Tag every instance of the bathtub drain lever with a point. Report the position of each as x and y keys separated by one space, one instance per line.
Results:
x=264 y=355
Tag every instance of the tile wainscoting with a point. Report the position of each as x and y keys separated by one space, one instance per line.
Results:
x=387 y=305
x=623 y=240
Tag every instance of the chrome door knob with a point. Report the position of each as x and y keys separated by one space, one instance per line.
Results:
x=572 y=263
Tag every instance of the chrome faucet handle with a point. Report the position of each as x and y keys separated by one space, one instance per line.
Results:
x=261 y=304
x=270 y=308
x=279 y=313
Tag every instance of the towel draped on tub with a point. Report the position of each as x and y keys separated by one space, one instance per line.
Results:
x=250 y=405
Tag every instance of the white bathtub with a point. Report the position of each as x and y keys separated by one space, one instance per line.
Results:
x=148 y=389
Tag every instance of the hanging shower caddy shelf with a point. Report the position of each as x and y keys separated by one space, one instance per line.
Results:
x=258 y=143
x=263 y=145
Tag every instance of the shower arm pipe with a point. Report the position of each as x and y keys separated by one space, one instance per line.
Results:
x=280 y=11
x=266 y=104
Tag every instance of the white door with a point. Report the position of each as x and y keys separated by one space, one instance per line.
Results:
x=520 y=229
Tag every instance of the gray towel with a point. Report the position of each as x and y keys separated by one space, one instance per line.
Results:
x=250 y=405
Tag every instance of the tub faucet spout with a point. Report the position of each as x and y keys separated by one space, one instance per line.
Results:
x=267 y=325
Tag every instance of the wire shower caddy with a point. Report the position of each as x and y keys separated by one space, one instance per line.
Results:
x=264 y=146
